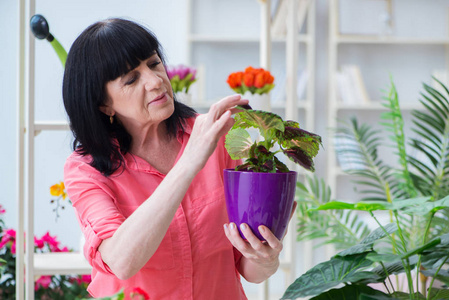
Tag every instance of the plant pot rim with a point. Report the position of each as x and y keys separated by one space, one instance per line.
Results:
x=252 y=172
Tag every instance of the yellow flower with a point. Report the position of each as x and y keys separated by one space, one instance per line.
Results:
x=58 y=190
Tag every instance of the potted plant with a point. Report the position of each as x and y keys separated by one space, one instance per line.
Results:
x=261 y=190
x=253 y=84
x=405 y=257
x=181 y=78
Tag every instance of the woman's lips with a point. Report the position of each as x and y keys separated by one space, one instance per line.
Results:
x=160 y=99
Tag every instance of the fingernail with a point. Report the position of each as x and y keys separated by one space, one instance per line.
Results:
x=225 y=226
x=243 y=226
x=232 y=225
x=261 y=229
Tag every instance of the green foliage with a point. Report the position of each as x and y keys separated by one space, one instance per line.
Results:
x=340 y=228
x=413 y=192
x=297 y=144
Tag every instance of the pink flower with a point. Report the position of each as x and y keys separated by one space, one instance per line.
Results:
x=38 y=243
x=43 y=281
x=181 y=71
x=9 y=236
x=2 y=210
x=86 y=278
x=139 y=294
x=51 y=241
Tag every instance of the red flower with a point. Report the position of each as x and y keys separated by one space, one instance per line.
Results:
x=259 y=81
x=235 y=79
x=139 y=294
x=253 y=80
x=248 y=79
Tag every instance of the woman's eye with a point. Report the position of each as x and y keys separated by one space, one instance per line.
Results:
x=131 y=80
x=154 y=64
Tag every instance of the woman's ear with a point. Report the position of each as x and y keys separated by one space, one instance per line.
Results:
x=107 y=110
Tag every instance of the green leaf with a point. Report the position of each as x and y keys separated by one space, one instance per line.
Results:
x=356 y=249
x=363 y=206
x=329 y=274
x=268 y=123
x=395 y=267
x=238 y=143
x=429 y=245
x=383 y=257
x=335 y=205
x=438 y=294
x=379 y=233
x=426 y=207
x=351 y=292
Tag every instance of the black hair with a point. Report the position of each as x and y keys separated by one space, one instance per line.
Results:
x=104 y=51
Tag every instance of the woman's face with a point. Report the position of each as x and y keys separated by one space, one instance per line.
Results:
x=141 y=97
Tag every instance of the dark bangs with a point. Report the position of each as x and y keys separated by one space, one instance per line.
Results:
x=122 y=46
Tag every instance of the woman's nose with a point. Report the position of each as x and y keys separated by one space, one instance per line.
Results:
x=151 y=80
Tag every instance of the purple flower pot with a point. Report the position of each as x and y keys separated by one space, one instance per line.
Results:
x=260 y=199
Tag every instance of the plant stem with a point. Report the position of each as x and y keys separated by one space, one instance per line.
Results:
x=400 y=231
x=393 y=242
x=434 y=277
x=418 y=265
x=405 y=263
x=388 y=276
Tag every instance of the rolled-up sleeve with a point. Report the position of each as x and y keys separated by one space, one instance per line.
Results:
x=94 y=206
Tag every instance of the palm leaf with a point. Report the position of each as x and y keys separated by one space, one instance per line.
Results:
x=341 y=228
x=362 y=149
x=396 y=125
x=432 y=144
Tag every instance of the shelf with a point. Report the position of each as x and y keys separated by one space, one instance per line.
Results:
x=376 y=106
x=366 y=39
x=198 y=38
x=62 y=263
x=51 y=125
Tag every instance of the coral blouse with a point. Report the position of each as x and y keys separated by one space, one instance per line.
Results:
x=195 y=260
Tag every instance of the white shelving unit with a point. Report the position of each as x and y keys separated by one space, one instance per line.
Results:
x=291 y=108
x=27 y=262
x=335 y=107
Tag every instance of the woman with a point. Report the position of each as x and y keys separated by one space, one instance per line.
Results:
x=145 y=178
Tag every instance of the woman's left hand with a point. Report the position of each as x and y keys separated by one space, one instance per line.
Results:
x=260 y=258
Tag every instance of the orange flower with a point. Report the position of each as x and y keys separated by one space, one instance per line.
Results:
x=254 y=80
x=235 y=79
x=248 y=79
x=58 y=190
x=269 y=79
x=259 y=81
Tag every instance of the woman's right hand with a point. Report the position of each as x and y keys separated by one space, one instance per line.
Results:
x=209 y=128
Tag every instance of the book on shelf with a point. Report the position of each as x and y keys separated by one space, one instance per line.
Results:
x=279 y=92
x=279 y=16
x=350 y=85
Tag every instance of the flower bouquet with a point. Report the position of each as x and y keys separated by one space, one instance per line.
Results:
x=254 y=85
x=255 y=81
x=181 y=78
